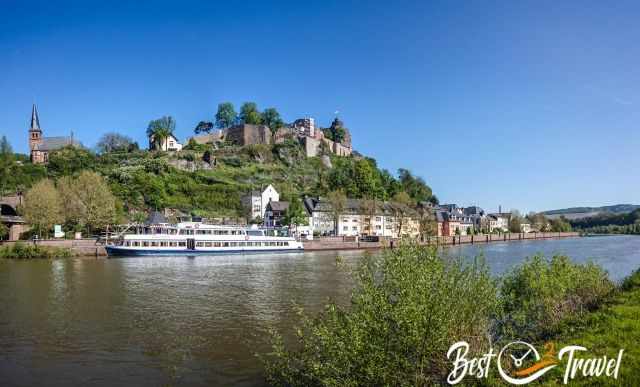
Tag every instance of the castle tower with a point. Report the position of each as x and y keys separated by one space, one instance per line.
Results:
x=35 y=133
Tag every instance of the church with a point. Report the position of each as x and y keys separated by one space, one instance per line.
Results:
x=41 y=146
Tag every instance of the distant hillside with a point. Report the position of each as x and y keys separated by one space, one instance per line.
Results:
x=585 y=212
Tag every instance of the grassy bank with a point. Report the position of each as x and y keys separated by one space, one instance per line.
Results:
x=614 y=326
x=22 y=251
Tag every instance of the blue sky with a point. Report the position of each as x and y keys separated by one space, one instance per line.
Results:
x=528 y=105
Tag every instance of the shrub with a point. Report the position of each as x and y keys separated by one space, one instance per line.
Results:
x=408 y=307
x=539 y=294
x=22 y=251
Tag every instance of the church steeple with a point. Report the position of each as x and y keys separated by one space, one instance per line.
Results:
x=35 y=122
x=35 y=133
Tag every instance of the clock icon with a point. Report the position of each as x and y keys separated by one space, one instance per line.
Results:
x=520 y=363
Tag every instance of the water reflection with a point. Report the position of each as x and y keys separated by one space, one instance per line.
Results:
x=193 y=321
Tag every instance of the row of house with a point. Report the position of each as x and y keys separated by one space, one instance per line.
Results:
x=454 y=220
x=357 y=218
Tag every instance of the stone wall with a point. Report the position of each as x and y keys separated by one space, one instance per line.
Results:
x=82 y=247
x=246 y=134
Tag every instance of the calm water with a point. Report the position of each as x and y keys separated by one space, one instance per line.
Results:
x=192 y=321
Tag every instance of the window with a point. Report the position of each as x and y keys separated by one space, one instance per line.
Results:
x=378 y=219
x=355 y=228
x=145 y=244
x=345 y=228
x=182 y=244
x=200 y=244
x=207 y=244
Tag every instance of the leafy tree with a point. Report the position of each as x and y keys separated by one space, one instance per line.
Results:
x=271 y=118
x=249 y=114
x=70 y=160
x=88 y=201
x=560 y=224
x=400 y=207
x=161 y=129
x=5 y=147
x=515 y=222
x=203 y=127
x=43 y=207
x=4 y=231
x=114 y=142
x=295 y=215
x=338 y=201
x=407 y=307
x=226 y=115
x=414 y=186
x=369 y=208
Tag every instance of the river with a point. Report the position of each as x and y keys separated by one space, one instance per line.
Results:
x=195 y=321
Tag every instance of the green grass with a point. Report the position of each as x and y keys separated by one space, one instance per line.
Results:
x=614 y=326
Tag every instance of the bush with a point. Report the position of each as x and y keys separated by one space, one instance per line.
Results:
x=539 y=294
x=409 y=306
x=22 y=251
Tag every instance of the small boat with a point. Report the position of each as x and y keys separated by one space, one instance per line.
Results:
x=189 y=238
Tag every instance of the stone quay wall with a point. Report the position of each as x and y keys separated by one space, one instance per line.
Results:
x=340 y=243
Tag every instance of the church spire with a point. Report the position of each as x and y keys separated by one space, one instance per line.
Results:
x=35 y=122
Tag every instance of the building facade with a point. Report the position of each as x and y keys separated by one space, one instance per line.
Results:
x=256 y=201
x=275 y=213
x=169 y=144
x=39 y=146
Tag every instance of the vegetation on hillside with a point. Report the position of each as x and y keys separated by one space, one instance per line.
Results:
x=149 y=180
x=625 y=223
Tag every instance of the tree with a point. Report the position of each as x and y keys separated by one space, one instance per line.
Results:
x=226 y=115
x=515 y=222
x=338 y=201
x=203 y=127
x=43 y=207
x=400 y=208
x=369 y=207
x=88 y=201
x=5 y=147
x=249 y=114
x=295 y=215
x=159 y=130
x=414 y=186
x=114 y=142
x=4 y=231
x=271 y=118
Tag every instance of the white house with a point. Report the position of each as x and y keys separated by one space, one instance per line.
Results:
x=170 y=143
x=256 y=201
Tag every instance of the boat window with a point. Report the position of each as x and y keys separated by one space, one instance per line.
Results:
x=286 y=243
x=225 y=244
x=182 y=244
x=255 y=233
x=145 y=244
x=207 y=244
x=217 y=244
x=200 y=244
x=241 y=244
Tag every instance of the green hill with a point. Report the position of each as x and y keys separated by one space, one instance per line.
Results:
x=143 y=180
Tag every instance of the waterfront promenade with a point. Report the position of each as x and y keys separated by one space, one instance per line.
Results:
x=92 y=248
x=346 y=243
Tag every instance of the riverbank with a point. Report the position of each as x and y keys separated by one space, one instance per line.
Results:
x=79 y=247
x=607 y=330
x=352 y=243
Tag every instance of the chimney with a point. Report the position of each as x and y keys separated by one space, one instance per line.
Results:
x=500 y=209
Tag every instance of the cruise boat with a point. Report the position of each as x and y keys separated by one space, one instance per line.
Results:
x=195 y=237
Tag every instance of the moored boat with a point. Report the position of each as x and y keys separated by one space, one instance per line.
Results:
x=188 y=238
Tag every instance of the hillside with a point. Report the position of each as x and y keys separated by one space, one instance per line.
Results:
x=144 y=180
x=585 y=212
